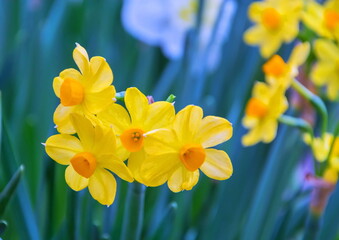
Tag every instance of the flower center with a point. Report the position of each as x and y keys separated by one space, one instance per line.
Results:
x=331 y=19
x=192 y=156
x=256 y=108
x=275 y=66
x=71 y=92
x=271 y=19
x=84 y=163
x=132 y=139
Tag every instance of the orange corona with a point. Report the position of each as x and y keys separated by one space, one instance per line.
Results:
x=192 y=156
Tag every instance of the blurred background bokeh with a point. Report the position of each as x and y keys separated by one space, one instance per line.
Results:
x=266 y=197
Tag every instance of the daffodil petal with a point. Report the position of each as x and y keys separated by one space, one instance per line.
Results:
x=104 y=141
x=102 y=74
x=160 y=114
x=255 y=11
x=187 y=122
x=326 y=50
x=217 y=165
x=181 y=179
x=156 y=170
x=135 y=161
x=74 y=180
x=57 y=82
x=80 y=57
x=117 y=116
x=71 y=73
x=85 y=130
x=270 y=130
x=253 y=36
x=117 y=166
x=62 y=147
x=161 y=141
x=322 y=72
x=137 y=105
x=299 y=54
x=96 y=102
x=62 y=119
x=102 y=186
x=214 y=130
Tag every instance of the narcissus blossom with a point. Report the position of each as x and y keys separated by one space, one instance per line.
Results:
x=326 y=70
x=177 y=155
x=86 y=92
x=281 y=73
x=276 y=22
x=89 y=159
x=133 y=126
x=262 y=112
x=323 y=19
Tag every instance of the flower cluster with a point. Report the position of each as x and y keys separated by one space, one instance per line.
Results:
x=97 y=135
x=277 y=22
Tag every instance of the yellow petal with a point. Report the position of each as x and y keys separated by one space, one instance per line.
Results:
x=56 y=85
x=71 y=73
x=182 y=179
x=135 y=162
x=62 y=119
x=62 y=147
x=105 y=141
x=102 y=186
x=187 y=123
x=117 y=116
x=326 y=50
x=74 y=180
x=96 y=102
x=102 y=75
x=299 y=54
x=115 y=165
x=255 y=11
x=137 y=105
x=213 y=131
x=160 y=114
x=255 y=35
x=252 y=137
x=270 y=46
x=269 y=130
x=85 y=130
x=217 y=165
x=161 y=141
x=322 y=72
x=80 y=57
x=156 y=170
x=249 y=122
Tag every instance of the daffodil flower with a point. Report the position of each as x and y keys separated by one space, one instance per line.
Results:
x=281 y=73
x=177 y=154
x=132 y=127
x=87 y=93
x=323 y=19
x=326 y=70
x=89 y=159
x=262 y=112
x=276 y=22
x=166 y=23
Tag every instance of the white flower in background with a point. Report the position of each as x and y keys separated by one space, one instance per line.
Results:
x=165 y=23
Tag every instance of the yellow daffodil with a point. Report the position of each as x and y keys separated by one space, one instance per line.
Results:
x=262 y=112
x=281 y=73
x=133 y=126
x=177 y=154
x=326 y=71
x=323 y=19
x=276 y=22
x=89 y=159
x=331 y=175
x=87 y=93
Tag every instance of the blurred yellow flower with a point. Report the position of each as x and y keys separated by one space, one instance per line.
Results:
x=262 y=112
x=276 y=22
x=133 y=126
x=326 y=70
x=323 y=19
x=281 y=73
x=331 y=175
x=177 y=154
x=87 y=93
x=89 y=159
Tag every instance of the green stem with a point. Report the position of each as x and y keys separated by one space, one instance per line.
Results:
x=312 y=226
x=335 y=135
x=315 y=101
x=134 y=212
x=298 y=123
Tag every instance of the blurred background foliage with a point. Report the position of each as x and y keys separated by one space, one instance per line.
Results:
x=264 y=199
